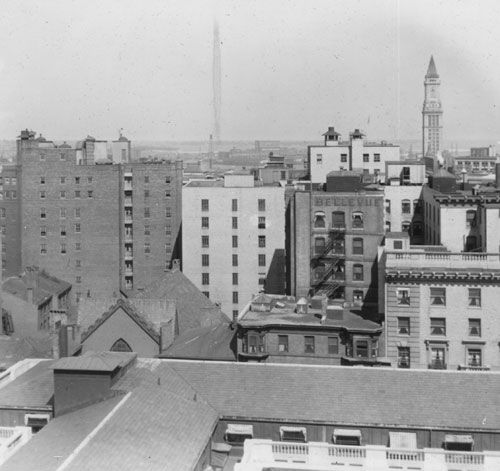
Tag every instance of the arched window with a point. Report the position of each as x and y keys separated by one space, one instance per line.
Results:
x=319 y=219
x=357 y=219
x=120 y=346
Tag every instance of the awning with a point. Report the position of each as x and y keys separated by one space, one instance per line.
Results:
x=459 y=439
x=406 y=440
x=239 y=429
x=296 y=434
x=344 y=432
x=293 y=429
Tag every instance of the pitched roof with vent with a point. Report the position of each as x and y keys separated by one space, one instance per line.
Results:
x=194 y=309
x=132 y=312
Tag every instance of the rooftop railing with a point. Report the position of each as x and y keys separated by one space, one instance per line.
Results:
x=262 y=454
x=443 y=260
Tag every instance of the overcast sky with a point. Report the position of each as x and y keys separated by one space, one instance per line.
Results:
x=289 y=68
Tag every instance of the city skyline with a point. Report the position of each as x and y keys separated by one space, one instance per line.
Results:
x=288 y=68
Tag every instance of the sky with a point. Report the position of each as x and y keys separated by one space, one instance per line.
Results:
x=290 y=68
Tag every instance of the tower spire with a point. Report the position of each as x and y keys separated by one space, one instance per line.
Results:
x=431 y=70
x=432 y=113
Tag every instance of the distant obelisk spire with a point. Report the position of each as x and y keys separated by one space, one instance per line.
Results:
x=217 y=83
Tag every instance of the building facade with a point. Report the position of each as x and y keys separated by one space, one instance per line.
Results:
x=334 y=239
x=441 y=307
x=432 y=113
x=233 y=239
x=101 y=226
x=356 y=154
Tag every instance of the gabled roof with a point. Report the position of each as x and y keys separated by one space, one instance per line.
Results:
x=204 y=343
x=44 y=285
x=194 y=309
x=132 y=312
x=431 y=70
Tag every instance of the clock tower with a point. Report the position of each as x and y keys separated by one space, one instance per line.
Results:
x=432 y=113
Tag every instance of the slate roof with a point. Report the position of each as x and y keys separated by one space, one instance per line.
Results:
x=95 y=361
x=132 y=312
x=32 y=389
x=204 y=343
x=14 y=349
x=44 y=287
x=194 y=309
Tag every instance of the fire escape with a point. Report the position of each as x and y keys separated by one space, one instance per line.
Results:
x=330 y=282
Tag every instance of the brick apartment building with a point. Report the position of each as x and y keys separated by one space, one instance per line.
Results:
x=333 y=241
x=233 y=239
x=99 y=221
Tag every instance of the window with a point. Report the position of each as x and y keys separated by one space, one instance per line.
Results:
x=63 y=180
x=437 y=358
x=403 y=357
x=43 y=249
x=235 y=297
x=338 y=219
x=63 y=156
x=405 y=226
x=361 y=349
x=474 y=327
x=438 y=326
x=262 y=260
x=147 y=212
x=43 y=231
x=262 y=205
x=333 y=345
x=475 y=297
x=319 y=245
x=417 y=206
x=262 y=241
x=235 y=260
x=14 y=194
x=62 y=213
x=168 y=212
x=438 y=296
x=146 y=178
x=43 y=213
x=403 y=325
x=474 y=357
x=205 y=278
x=63 y=248
x=366 y=157
x=42 y=156
x=77 y=180
x=471 y=218
x=168 y=180
x=357 y=246
x=78 y=279
x=90 y=194
x=89 y=180
x=206 y=293
x=357 y=272
x=235 y=223
x=42 y=195
x=357 y=295
x=357 y=219
x=63 y=231
x=262 y=222
x=387 y=226
x=204 y=205
x=146 y=194
x=204 y=223
x=78 y=263
x=204 y=241
x=262 y=279
x=147 y=230
x=235 y=242
x=387 y=205
x=205 y=260
x=78 y=194
x=234 y=205
x=319 y=158
x=78 y=246
x=319 y=220
x=147 y=247
x=417 y=229
x=406 y=207
x=120 y=346
x=376 y=157
x=235 y=278
x=282 y=343
x=308 y=344
x=343 y=158
x=403 y=296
